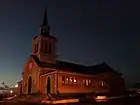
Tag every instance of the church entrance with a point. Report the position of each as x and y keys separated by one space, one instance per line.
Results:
x=48 y=85
x=29 y=85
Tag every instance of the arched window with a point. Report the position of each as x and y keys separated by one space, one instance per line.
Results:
x=37 y=47
x=84 y=81
x=46 y=48
x=41 y=31
x=102 y=83
x=70 y=80
x=87 y=82
x=63 y=79
x=74 y=80
x=67 y=80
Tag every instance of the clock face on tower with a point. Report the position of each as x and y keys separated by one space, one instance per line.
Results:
x=30 y=65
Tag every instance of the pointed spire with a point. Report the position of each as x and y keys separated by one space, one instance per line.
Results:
x=44 y=27
x=45 y=20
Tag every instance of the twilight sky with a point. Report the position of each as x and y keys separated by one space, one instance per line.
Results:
x=88 y=31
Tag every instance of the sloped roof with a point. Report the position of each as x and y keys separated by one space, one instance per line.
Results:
x=71 y=67
x=100 y=68
x=49 y=36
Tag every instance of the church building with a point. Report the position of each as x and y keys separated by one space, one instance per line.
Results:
x=44 y=73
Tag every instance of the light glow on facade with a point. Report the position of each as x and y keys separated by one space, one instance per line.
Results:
x=74 y=80
x=11 y=91
x=16 y=85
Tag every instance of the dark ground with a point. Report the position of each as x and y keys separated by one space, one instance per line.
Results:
x=124 y=101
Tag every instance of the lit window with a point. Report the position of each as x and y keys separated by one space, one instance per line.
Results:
x=84 y=81
x=74 y=80
x=87 y=82
x=63 y=79
x=70 y=80
x=102 y=83
x=67 y=80
x=30 y=65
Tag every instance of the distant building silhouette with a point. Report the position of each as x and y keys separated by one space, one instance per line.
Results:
x=44 y=73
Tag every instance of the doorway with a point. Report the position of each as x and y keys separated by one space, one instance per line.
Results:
x=29 y=85
x=48 y=85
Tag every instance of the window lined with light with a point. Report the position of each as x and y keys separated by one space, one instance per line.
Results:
x=102 y=83
x=70 y=80
x=67 y=80
x=74 y=80
x=30 y=65
x=87 y=82
x=63 y=79
x=84 y=81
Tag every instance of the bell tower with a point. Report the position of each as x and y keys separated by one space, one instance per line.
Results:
x=44 y=45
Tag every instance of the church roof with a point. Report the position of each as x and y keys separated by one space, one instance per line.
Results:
x=49 y=36
x=100 y=68
x=71 y=67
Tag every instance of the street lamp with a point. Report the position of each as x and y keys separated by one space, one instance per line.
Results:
x=11 y=91
x=16 y=86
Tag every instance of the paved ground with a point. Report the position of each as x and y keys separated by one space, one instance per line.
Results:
x=124 y=101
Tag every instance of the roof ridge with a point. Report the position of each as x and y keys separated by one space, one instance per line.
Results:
x=71 y=63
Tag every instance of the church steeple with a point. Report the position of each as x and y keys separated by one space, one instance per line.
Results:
x=44 y=27
x=45 y=20
x=44 y=44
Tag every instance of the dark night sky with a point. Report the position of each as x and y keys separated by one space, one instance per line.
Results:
x=89 y=32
